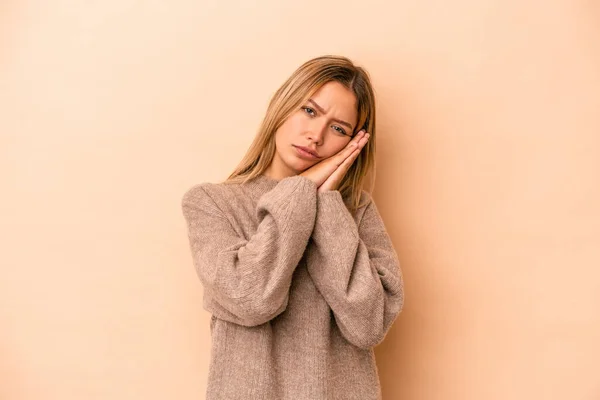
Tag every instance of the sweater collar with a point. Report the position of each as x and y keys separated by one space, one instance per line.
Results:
x=260 y=185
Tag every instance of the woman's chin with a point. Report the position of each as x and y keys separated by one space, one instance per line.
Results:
x=301 y=167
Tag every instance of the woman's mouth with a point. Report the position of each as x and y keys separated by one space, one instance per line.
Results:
x=305 y=153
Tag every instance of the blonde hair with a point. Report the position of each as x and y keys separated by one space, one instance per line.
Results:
x=297 y=89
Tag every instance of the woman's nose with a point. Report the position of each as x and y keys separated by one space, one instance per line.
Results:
x=318 y=131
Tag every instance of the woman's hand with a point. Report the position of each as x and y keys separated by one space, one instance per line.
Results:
x=328 y=174
x=334 y=180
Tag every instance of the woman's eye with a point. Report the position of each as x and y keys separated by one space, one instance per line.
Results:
x=309 y=110
x=340 y=130
x=312 y=113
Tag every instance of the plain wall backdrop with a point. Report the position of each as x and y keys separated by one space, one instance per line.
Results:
x=488 y=182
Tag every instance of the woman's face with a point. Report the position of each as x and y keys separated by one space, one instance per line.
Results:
x=323 y=125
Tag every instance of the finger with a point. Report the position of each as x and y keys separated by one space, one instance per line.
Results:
x=342 y=169
x=345 y=165
x=358 y=146
x=351 y=147
x=357 y=149
x=363 y=141
x=357 y=138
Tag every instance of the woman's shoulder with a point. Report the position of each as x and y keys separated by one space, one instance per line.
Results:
x=365 y=199
x=213 y=191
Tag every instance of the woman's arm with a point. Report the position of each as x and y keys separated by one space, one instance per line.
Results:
x=356 y=269
x=247 y=281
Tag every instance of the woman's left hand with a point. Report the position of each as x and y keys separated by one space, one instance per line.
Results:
x=332 y=183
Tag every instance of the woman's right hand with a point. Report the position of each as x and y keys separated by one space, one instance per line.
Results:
x=319 y=172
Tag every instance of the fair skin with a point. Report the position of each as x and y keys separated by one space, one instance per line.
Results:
x=323 y=125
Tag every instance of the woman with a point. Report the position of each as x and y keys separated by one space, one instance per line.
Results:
x=298 y=271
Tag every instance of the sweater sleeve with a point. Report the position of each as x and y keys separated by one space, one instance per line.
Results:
x=247 y=281
x=356 y=269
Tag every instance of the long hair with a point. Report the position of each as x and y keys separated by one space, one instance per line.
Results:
x=297 y=89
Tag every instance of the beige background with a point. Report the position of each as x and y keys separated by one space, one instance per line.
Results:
x=488 y=180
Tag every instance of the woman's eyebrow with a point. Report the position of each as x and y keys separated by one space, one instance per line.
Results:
x=318 y=107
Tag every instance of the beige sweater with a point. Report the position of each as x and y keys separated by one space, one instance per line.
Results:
x=300 y=290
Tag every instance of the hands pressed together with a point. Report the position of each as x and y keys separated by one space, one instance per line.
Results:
x=328 y=174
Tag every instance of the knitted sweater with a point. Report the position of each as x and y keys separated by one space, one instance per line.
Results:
x=300 y=289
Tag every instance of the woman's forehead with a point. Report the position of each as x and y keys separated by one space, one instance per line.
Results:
x=335 y=97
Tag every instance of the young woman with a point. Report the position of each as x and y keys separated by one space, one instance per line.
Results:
x=298 y=271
